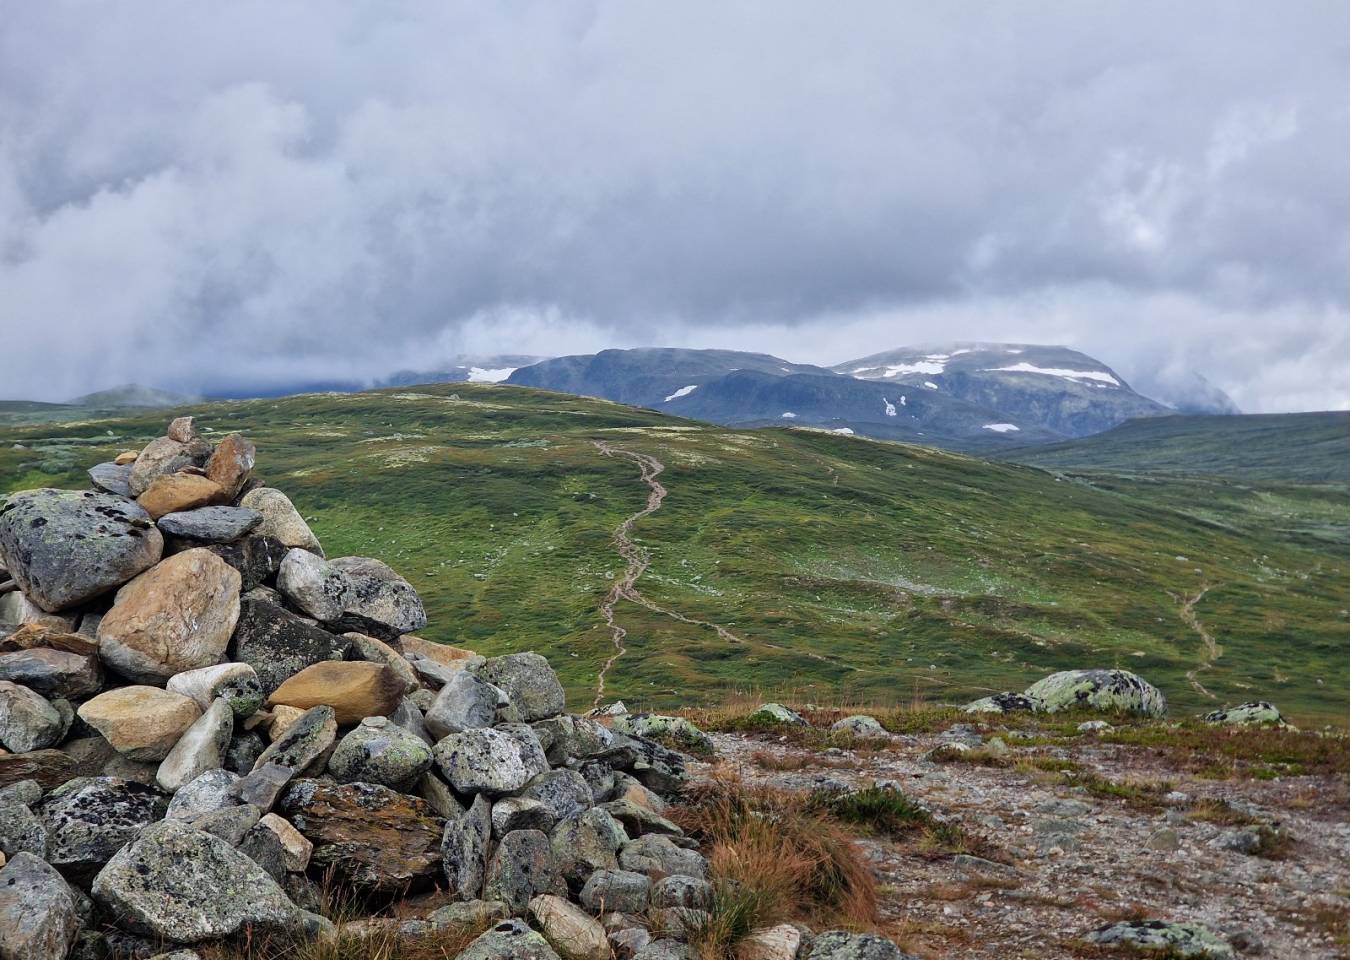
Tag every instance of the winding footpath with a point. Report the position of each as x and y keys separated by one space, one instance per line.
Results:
x=1213 y=651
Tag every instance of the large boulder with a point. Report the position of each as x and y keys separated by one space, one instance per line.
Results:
x=219 y=524
x=277 y=644
x=1108 y=690
x=200 y=749
x=529 y=681
x=90 y=818
x=355 y=689
x=676 y=731
x=1257 y=713
x=657 y=855
x=379 y=751
x=142 y=723
x=373 y=837
x=39 y=912
x=490 y=761
x=1003 y=703
x=65 y=547
x=352 y=593
x=280 y=519
x=1173 y=939
x=177 y=616
x=185 y=886
x=28 y=721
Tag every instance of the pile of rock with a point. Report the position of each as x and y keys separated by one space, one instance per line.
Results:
x=201 y=715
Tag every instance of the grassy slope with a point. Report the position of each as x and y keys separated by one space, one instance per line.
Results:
x=1307 y=447
x=843 y=567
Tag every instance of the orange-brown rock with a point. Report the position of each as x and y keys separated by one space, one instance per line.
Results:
x=231 y=463
x=141 y=723
x=50 y=768
x=354 y=689
x=34 y=635
x=125 y=457
x=456 y=658
x=179 y=491
x=178 y=615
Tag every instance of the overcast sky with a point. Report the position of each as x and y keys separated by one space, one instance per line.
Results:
x=207 y=194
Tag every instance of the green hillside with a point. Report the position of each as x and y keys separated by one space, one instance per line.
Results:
x=833 y=566
x=1280 y=447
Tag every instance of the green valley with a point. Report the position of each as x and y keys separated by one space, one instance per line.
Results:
x=836 y=568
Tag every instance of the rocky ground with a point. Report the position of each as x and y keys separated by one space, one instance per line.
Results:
x=1074 y=862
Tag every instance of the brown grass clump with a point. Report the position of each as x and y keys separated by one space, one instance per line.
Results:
x=772 y=859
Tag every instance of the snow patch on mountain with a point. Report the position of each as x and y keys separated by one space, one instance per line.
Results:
x=490 y=374
x=1060 y=372
x=1002 y=427
x=682 y=392
x=788 y=415
x=846 y=431
x=929 y=384
x=890 y=407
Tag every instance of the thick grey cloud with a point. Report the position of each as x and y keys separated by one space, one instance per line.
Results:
x=207 y=194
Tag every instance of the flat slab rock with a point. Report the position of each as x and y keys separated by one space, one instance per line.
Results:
x=210 y=524
x=65 y=547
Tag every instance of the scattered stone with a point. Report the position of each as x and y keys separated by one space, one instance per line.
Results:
x=529 y=682
x=17 y=611
x=306 y=742
x=509 y=940
x=262 y=786
x=520 y=869
x=772 y=943
x=278 y=644
x=1178 y=939
x=200 y=749
x=89 y=819
x=218 y=524
x=1257 y=713
x=1003 y=703
x=1164 y=840
x=665 y=949
x=280 y=519
x=638 y=820
x=182 y=429
x=65 y=547
x=177 y=616
x=434 y=791
x=1094 y=726
x=230 y=824
x=777 y=713
x=490 y=761
x=235 y=683
x=374 y=837
x=48 y=768
x=27 y=792
x=378 y=751
x=571 y=932
x=355 y=689
x=186 y=886
x=141 y=723
x=627 y=941
x=161 y=457
x=469 y=913
x=52 y=672
x=677 y=731
x=1099 y=690
x=861 y=727
x=28 y=721
x=39 y=912
x=843 y=945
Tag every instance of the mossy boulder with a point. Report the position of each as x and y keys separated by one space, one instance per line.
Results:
x=1106 y=690
x=1178 y=939
x=674 y=732
x=1257 y=713
x=1002 y=703
x=771 y=713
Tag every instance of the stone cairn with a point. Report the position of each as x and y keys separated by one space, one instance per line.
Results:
x=202 y=717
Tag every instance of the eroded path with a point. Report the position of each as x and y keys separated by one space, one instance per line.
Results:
x=1212 y=650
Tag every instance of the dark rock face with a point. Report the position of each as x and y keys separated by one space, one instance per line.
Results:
x=257 y=558
x=278 y=644
x=374 y=837
x=210 y=524
x=50 y=768
x=53 y=673
x=90 y=818
x=66 y=547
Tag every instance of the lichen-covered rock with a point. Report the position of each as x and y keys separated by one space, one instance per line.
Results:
x=213 y=790
x=378 y=751
x=565 y=792
x=257 y=559
x=277 y=644
x=529 y=681
x=771 y=943
x=28 y=722
x=569 y=929
x=587 y=842
x=844 y=945
x=464 y=846
x=20 y=829
x=281 y=520
x=1257 y=713
x=859 y=726
x=1108 y=690
x=178 y=615
x=65 y=547
x=520 y=869
x=509 y=940
x=490 y=761
x=141 y=723
x=112 y=478
x=39 y=911
x=616 y=891
x=1003 y=703
x=772 y=713
x=90 y=818
x=655 y=854
x=373 y=837
x=521 y=813
x=200 y=749
x=235 y=683
x=1178 y=939
x=638 y=820
x=574 y=738
x=358 y=593
x=186 y=886
x=306 y=742
x=676 y=731
x=465 y=702
x=678 y=890
x=469 y=913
